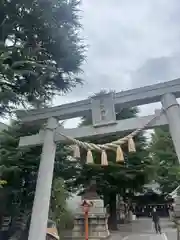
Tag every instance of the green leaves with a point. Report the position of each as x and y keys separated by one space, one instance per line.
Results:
x=40 y=51
x=58 y=208
x=165 y=160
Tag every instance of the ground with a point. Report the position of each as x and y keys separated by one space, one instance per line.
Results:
x=142 y=229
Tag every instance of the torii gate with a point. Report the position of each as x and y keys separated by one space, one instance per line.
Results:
x=104 y=123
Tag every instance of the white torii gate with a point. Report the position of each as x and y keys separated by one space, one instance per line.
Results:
x=104 y=122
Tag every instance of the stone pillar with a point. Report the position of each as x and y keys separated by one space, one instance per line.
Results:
x=40 y=211
x=121 y=206
x=172 y=111
x=177 y=207
x=178 y=230
x=98 y=218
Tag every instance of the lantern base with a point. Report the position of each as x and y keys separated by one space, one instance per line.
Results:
x=97 y=223
x=92 y=238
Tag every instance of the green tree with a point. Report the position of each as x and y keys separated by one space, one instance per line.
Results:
x=59 y=211
x=164 y=157
x=117 y=178
x=40 y=51
x=19 y=168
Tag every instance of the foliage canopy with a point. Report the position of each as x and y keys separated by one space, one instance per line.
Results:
x=40 y=51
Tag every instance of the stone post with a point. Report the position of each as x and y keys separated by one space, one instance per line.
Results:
x=172 y=111
x=40 y=211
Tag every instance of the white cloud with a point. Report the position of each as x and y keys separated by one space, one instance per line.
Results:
x=157 y=70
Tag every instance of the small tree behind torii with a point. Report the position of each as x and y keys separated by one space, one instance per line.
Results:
x=165 y=159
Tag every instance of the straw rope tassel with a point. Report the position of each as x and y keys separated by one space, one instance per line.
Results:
x=131 y=145
x=89 y=158
x=76 y=152
x=119 y=154
x=104 y=161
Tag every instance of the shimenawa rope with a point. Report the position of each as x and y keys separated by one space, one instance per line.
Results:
x=115 y=145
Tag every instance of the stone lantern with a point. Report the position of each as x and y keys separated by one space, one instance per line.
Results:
x=97 y=217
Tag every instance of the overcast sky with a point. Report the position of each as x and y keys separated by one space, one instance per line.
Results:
x=132 y=43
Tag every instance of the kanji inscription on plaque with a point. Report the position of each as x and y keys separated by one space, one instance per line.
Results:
x=103 y=110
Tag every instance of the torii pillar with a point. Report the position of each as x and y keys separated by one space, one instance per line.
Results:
x=40 y=210
x=172 y=111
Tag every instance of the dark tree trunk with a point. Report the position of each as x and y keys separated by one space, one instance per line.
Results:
x=112 y=211
x=106 y=200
